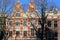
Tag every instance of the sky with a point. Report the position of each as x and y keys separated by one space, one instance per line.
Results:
x=50 y=2
x=55 y=3
x=25 y=4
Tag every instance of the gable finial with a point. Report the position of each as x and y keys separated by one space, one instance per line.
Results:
x=18 y=1
x=32 y=0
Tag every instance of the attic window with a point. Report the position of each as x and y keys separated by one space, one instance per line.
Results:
x=18 y=15
x=55 y=12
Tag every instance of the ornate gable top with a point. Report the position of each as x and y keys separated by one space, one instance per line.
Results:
x=18 y=6
x=32 y=6
x=32 y=0
x=53 y=9
x=18 y=2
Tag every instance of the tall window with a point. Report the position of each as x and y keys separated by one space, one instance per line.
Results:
x=55 y=35
x=18 y=15
x=17 y=23
x=32 y=32
x=17 y=33
x=49 y=23
x=10 y=23
x=50 y=35
x=10 y=33
x=39 y=22
x=25 y=33
x=33 y=22
x=55 y=23
x=25 y=23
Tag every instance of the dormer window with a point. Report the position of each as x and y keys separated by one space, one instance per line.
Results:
x=55 y=12
x=33 y=15
x=18 y=15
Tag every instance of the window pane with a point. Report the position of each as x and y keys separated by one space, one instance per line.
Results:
x=25 y=33
x=49 y=23
x=54 y=11
x=25 y=23
x=50 y=34
x=39 y=22
x=55 y=23
x=55 y=35
x=32 y=32
x=17 y=33
x=10 y=23
x=10 y=33
x=17 y=14
x=32 y=22
x=17 y=23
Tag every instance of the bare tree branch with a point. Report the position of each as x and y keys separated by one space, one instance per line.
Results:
x=6 y=6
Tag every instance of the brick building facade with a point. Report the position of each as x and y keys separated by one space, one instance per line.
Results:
x=18 y=25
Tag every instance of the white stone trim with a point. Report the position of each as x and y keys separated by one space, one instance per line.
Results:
x=25 y=28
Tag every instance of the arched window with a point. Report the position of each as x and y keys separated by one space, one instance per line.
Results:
x=10 y=23
x=17 y=23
